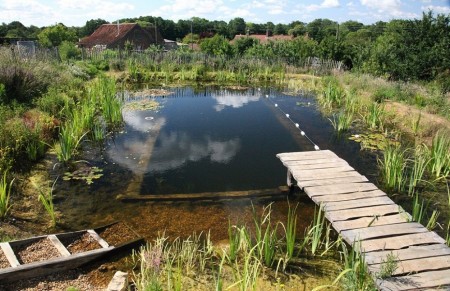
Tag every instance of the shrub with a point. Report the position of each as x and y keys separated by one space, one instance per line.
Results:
x=68 y=51
x=20 y=83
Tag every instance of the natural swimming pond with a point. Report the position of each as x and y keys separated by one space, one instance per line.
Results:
x=194 y=141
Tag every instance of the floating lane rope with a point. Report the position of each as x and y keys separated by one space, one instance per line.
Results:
x=316 y=147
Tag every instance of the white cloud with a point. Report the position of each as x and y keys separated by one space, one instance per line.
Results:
x=382 y=5
x=27 y=11
x=234 y=101
x=437 y=9
x=323 y=5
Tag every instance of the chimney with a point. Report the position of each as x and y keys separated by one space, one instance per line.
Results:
x=118 y=28
x=267 y=33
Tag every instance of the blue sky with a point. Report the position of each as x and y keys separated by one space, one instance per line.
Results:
x=76 y=13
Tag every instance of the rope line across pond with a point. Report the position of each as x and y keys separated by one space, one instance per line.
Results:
x=316 y=147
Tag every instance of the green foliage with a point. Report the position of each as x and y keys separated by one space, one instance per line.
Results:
x=46 y=198
x=5 y=192
x=54 y=35
x=440 y=155
x=217 y=45
x=388 y=266
x=359 y=277
x=393 y=168
x=69 y=51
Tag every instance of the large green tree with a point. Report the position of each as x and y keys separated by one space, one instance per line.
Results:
x=54 y=35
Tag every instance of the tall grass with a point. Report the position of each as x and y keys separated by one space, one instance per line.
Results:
x=342 y=121
x=265 y=236
x=69 y=141
x=317 y=229
x=5 y=192
x=359 y=277
x=46 y=198
x=291 y=231
x=374 y=116
x=439 y=165
x=393 y=167
x=419 y=162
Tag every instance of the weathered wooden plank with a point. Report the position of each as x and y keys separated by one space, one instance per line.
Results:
x=308 y=175
x=9 y=253
x=330 y=166
x=281 y=191
x=400 y=241
x=309 y=155
x=298 y=170
x=312 y=161
x=412 y=252
x=432 y=279
x=365 y=221
x=416 y=265
x=358 y=203
x=339 y=189
x=332 y=181
x=58 y=245
x=95 y=235
x=362 y=212
x=382 y=231
x=348 y=196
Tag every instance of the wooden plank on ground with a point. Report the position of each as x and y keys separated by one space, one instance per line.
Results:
x=358 y=203
x=312 y=161
x=309 y=155
x=390 y=230
x=330 y=166
x=332 y=181
x=412 y=252
x=348 y=196
x=365 y=221
x=432 y=279
x=339 y=189
x=321 y=175
x=95 y=235
x=58 y=245
x=9 y=253
x=416 y=265
x=400 y=241
x=362 y=212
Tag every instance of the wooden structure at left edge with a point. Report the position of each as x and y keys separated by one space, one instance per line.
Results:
x=362 y=213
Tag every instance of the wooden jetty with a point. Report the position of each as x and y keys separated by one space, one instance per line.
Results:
x=66 y=260
x=362 y=213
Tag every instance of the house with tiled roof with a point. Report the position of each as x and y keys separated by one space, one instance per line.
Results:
x=111 y=36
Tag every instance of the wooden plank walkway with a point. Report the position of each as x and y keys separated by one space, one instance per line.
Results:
x=362 y=213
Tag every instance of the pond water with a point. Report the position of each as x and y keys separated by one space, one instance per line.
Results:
x=207 y=140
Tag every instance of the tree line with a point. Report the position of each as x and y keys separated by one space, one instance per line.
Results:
x=399 y=49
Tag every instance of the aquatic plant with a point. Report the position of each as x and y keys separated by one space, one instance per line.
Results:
x=333 y=95
x=265 y=236
x=46 y=199
x=440 y=155
x=374 y=116
x=432 y=221
x=419 y=209
x=342 y=121
x=5 y=192
x=359 y=277
x=151 y=263
x=85 y=173
x=291 y=231
x=246 y=272
x=316 y=230
x=68 y=143
x=392 y=168
x=419 y=165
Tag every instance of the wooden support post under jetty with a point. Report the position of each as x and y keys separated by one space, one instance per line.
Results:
x=369 y=220
x=280 y=192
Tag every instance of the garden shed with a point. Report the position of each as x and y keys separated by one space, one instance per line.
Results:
x=111 y=36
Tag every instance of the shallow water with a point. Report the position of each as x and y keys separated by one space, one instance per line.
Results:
x=212 y=140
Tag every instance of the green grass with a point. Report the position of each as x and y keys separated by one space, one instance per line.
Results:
x=440 y=155
x=393 y=168
x=46 y=198
x=5 y=193
x=342 y=121
x=374 y=116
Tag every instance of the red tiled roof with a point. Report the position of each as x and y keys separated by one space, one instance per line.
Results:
x=264 y=38
x=107 y=34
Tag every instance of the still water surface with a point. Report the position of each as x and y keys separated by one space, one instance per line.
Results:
x=208 y=140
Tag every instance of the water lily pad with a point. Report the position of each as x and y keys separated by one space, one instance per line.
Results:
x=143 y=105
x=373 y=141
x=86 y=173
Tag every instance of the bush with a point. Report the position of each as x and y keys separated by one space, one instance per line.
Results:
x=20 y=84
x=53 y=102
x=68 y=51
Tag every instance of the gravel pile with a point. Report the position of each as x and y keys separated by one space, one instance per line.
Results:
x=3 y=261
x=40 y=250
x=83 y=243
